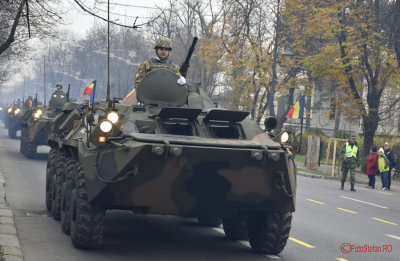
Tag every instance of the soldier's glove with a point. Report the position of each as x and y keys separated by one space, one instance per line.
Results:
x=181 y=81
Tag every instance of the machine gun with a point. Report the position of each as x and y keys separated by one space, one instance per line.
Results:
x=185 y=66
x=69 y=87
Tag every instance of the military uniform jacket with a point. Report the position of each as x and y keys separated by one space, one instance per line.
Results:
x=152 y=64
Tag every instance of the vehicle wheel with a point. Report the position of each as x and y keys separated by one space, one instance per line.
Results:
x=57 y=181
x=22 y=142
x=50 y=172
x=66 y=195
x=268 y=231
x=12 y=133
x=235 y=227
x=86 y=219
x=210 y=221
x=30 y=148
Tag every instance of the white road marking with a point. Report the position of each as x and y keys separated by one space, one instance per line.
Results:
x=372 y=204
x=376 y=190
x=245 y=243
x=395 y=237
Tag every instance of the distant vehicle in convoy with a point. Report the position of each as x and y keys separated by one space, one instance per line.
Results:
x=173 y=154
x=36 y=124
x=14 y=119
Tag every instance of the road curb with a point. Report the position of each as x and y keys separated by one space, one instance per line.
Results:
x=315 y=176
x=9 y=241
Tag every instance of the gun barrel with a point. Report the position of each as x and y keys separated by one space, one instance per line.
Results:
x=186 y=64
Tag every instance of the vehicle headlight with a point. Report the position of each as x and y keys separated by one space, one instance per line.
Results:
x=284 y=137
x=1 y=109
x=36 y=115
x=113 y=117
x=106 y=126
x=17 y=111
x=9 y=110
x=39 y=112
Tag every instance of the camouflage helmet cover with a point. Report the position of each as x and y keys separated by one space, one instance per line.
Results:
x=163 y=42
x=59 y=84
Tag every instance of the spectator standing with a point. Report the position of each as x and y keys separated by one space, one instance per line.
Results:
x=383 y=166
x=392 y=162
x=371 y=165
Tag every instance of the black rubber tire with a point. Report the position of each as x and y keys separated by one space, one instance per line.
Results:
x=235 y=227
x=29 y=148
x=12 y=133
x=86 y=219
x=66 y=195
x=22 y=141
x=57 y=181
x=50 y=171
x=268 y=231
x=210 y=221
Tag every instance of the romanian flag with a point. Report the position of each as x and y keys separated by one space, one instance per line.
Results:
x=91 y=90
x=297 y=111
x=29 y=103
x=130 y=94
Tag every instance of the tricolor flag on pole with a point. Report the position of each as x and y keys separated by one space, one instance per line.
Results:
x=297 y=111
x=91 y=90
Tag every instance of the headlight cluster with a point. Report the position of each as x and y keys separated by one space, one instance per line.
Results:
x=38 y=114
x=107 y=125
x=9 y=110
x=284 y=137
x=113 y=117
x=17 y=111
x=1 y=108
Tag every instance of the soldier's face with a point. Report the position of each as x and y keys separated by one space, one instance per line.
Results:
x=162 y=52
x=58 y=87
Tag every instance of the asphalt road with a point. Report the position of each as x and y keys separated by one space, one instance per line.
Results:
x=326 y=219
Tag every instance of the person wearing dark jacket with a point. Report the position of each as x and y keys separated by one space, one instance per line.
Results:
x=371 y=165
x=392 y=162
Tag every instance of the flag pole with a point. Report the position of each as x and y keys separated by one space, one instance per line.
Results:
x=108 y=54
x=301 y=134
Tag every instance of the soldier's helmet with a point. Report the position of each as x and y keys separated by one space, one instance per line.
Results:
x=59 y=84
x=163 y=42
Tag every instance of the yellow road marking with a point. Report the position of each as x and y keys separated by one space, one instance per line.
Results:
x=381 y=220
x=316 y=201
x=301 y=242
x=350 y=211
x=341 y=259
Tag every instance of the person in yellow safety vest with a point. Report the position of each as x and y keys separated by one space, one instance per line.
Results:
x=350 y=161
x=383 y=166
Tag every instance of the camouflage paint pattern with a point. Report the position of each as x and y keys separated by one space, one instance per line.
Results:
x=146 y=165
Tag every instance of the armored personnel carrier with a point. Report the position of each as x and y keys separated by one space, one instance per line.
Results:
x=36 y=124
x=172 y=154
x=14 y=119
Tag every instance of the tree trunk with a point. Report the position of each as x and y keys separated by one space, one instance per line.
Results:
x=10 y=38
x=338 y=114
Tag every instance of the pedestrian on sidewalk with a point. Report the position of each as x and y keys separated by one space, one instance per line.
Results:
x=383 y=166
x=392 y=162
x=371 y=165
x=350 y=161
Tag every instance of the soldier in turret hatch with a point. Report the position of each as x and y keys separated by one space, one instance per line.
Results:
x=163 y=47
x=58 y=98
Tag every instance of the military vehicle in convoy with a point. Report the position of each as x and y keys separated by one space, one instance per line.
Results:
x=14 y=119
x=172 y=154
x=36 y=124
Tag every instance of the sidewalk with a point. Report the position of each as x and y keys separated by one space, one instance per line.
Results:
x=361 y=178
x=10 y=249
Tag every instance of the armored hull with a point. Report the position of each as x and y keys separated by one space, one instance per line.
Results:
x=174 y=154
